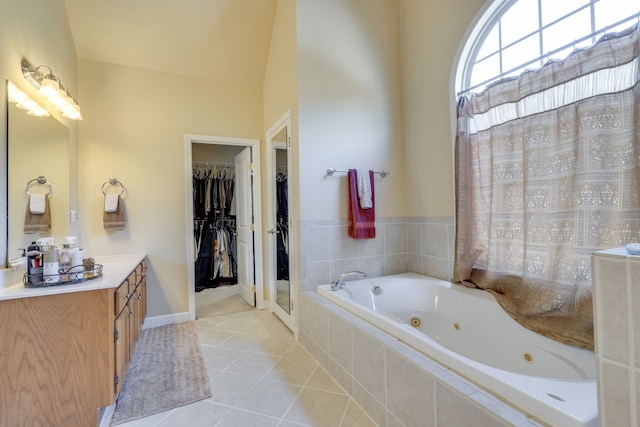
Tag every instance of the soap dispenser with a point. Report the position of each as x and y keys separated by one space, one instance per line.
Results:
x=50 y=260
x=65 y=263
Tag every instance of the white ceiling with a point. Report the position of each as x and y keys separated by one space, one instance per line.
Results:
x=222 y=40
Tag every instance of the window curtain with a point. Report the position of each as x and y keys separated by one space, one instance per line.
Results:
x=547 y=172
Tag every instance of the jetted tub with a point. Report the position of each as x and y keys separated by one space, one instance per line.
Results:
x=467 y=331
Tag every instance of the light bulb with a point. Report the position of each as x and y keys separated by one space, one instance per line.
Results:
x=50 y=87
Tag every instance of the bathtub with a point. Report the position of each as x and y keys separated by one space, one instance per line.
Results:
x=467 y=331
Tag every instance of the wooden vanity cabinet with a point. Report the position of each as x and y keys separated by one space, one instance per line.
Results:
x=59 y=357
x=130 y=311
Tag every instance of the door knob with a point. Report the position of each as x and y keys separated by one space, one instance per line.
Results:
x=272 y=231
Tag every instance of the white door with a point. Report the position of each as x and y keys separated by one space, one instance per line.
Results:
x=244 y=226
x=281 y=271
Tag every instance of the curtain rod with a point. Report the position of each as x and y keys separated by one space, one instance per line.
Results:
x=331 y=171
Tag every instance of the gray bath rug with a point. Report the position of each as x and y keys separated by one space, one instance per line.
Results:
x=166 y=371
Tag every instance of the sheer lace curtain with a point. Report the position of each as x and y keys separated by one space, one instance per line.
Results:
x=547 y=172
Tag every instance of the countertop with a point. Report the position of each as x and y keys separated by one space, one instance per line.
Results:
x=616 y=252
x=116 y=268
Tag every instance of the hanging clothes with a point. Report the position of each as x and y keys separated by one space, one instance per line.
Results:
x=214 y=227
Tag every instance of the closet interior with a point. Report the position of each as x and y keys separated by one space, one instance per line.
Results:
x=214 y=216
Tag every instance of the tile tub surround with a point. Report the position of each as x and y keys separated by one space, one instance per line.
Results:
x=394 y=384
x=417 y=245
x=616 y=298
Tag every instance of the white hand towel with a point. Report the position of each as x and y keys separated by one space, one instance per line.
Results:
x=111 y=202
x=37 y=203
x=364 y=188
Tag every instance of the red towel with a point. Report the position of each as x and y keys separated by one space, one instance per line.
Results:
x=361 y=221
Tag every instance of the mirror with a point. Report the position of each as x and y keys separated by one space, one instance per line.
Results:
x=37 y=146
x=283 y=284
x=281 y=242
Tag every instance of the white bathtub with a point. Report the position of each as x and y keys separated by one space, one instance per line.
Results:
x=467 y=331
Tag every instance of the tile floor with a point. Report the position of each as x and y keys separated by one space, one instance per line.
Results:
x=259 y=376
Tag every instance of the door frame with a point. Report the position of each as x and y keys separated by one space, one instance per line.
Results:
x=288 y=319
x=190 y=139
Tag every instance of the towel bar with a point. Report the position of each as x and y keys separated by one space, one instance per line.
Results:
x=331 y=171
x=39 y=180
x=113 y=181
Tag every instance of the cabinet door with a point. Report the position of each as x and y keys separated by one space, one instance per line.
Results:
x=55 y=358
x=121 y=341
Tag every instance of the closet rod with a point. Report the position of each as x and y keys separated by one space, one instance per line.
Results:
x=226 y=165
x=331 y=171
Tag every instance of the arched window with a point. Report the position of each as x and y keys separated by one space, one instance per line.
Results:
x=547 y=160
x=517 y=35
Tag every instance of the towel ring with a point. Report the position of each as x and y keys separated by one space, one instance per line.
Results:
x=41 y=180
x=113 y=181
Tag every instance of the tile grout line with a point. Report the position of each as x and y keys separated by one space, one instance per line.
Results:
x=298 y=395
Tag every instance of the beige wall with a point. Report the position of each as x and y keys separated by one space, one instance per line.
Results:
x=349 y=103
x=134 y=129
x=279 y=88
x=37 y=30
x=431 y=32
x=280 y=94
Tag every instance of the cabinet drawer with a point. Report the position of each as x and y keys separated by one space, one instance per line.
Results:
x=140 y=271
x=121 y=296
x=132 y=282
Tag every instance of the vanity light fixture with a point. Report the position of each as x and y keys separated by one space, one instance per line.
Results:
x=49 y=85
x=24 y=102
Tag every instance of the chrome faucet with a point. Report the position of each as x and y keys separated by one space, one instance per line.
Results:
x=337 y=284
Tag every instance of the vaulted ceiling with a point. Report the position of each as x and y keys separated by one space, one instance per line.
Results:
x=222 y=40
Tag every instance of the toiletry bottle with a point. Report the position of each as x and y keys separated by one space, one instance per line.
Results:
x=76 y=263
x=34 y=264
x=65 y=263
x=51 y=264
x=76 y=258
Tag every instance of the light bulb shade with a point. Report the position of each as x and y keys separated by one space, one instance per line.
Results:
x=24 y=102
x=37 y=111
x=15 y=95
x=72 y=114
x=49 y=86
x=52 y=88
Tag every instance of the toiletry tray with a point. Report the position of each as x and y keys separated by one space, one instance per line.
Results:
x=70 y=276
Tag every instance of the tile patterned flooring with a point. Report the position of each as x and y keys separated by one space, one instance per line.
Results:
x=259 y=376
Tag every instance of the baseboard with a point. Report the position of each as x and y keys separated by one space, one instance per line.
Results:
x=167 y=319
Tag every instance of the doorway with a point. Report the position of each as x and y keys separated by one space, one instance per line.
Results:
x=223 y=232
